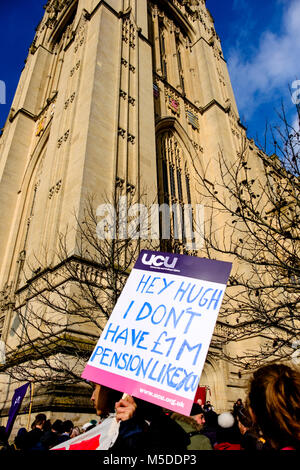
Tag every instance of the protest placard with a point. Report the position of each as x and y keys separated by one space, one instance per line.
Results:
x=155 y=343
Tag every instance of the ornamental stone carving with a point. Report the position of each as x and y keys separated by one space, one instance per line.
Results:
x=53 y=8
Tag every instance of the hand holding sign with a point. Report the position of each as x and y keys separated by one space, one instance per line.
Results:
x=125 y=408
x=155 y=343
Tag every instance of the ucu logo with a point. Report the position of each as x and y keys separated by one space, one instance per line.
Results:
x=158 y=260
x=17 y=400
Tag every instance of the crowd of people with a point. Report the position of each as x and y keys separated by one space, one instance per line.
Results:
x=269 y=420
x=232 y=430
x=43 y=434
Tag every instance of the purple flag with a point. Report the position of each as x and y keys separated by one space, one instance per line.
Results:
x=15 y=406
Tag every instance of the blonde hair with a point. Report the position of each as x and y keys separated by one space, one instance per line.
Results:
x=274 y=398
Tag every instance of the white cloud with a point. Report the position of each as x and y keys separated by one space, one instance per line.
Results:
x=273 y=67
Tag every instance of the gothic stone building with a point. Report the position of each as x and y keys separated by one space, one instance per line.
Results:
x=125 y=93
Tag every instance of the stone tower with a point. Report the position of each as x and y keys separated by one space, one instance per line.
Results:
x=123 y=93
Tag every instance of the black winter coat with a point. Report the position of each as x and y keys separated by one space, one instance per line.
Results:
x=151 y=430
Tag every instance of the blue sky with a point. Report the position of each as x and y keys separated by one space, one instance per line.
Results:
x=261 y=43
x=260 y=40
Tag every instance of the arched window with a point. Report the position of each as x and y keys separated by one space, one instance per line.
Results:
x=175 y=181
x=174 y=188
x=64 y=28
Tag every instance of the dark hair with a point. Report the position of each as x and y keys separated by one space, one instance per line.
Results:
x=21 y=432
x=39 y=419
x=274 y=397
x=211 y=419
x=20 y=439
x=231 y=435
x=67 y=426
x=92 y=426
x=196 y=410
x=47 y=425
x=244 y=417
x=57 y=426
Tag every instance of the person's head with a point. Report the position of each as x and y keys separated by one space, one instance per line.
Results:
x=21 y=432
x=104 y=399
x=239 y=402
x=274 y=403
x=226 y=420
x=47 y=425
x=57 y=426
x=67 y=426
x=75 y=432
x=197 y=414
x=244 y=420
x=211 y=419
x=20 y=438
x=91 y=426
x=227 y=430
x=39 y=421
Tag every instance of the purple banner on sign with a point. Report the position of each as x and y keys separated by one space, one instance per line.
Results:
x=15 y=406
x=184 y=265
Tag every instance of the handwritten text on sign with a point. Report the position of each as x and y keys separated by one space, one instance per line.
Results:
x=158 y=336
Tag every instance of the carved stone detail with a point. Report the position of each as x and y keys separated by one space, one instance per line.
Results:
x=121 y=132
x=130 y=188
x=119 y=182
x=70 y=100
x=131 y=139
x=55 y=189
x=76 y=67
x=131 y=100
x=63 y=138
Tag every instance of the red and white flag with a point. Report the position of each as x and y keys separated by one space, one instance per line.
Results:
x=101 y=437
